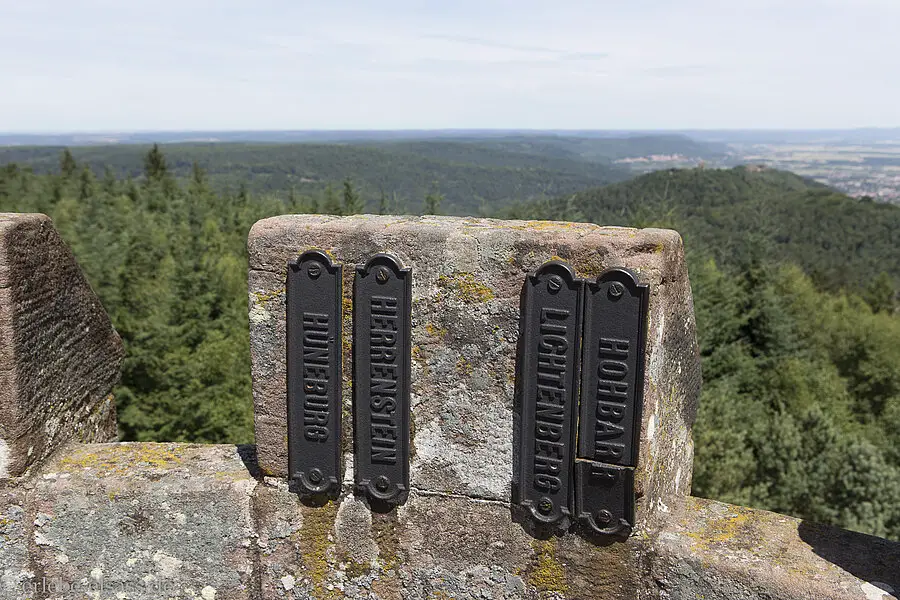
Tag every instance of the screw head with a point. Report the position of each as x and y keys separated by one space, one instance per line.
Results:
x=382 y=483
x=554 y=284
x=314 y=270
x=616 y=290
x=382 y=275
x=545 y=506
x=604 y=517
x=315 y=476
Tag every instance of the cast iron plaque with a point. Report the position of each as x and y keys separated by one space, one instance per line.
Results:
x=382 y=300
x=549 y=355
x=613 y=377
x=604 y=497
x=314 y=374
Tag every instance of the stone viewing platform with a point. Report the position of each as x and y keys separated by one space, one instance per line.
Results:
x=80 y=519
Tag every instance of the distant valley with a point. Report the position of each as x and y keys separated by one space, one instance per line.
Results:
x=860 y=162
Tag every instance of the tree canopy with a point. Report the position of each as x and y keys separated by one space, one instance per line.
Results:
x=795 y=289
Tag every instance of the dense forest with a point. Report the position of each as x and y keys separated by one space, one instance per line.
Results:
x=796 y=298
x=795 y=290
x=474 y=179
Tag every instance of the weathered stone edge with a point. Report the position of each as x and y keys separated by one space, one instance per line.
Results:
x=706 y=547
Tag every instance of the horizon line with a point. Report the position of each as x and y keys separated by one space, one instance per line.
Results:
x=443 y=130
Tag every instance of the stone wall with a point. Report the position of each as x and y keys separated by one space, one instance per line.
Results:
x=59 y=355
x=467 y=281
x=189 y=521
x=148 y=521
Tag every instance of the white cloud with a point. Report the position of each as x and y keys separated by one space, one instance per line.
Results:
x=109 y=65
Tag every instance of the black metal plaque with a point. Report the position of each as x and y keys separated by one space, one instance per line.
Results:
x=549 y=355
x=612 y=384
x=314 y=374
x=382 y=301
x=604 y=497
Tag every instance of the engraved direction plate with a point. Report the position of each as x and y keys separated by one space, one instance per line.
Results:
x=604 y=497
x=612 y=384
x=314 y=374
x=549 y=355
x=382 y=301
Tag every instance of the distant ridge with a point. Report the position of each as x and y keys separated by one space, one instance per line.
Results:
x=736 y=136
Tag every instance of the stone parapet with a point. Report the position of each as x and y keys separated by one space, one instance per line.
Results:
x=467 y=280
x=59 y=354
x=708 y=549
x=200 y=521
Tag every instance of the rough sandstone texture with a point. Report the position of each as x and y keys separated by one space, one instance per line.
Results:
x=467 y=280
x=146 y=521
x=143 y=521
x=181 y=521
x=714 y=550
x=59 y=355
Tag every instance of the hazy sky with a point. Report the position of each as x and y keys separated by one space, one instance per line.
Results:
x=110 y=65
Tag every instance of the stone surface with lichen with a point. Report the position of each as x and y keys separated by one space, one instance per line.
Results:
x=59 y=354
x=467 y=281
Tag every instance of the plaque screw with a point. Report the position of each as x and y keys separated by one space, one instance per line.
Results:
x=314 y=270
x=382 y=483
x=545 y=506
x=604 y=517
x=315 y=476
x=382 y=275
x=554 y=284
x=616 y=290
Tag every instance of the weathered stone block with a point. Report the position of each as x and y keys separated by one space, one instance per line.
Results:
x=467 y=279
x=14 y=531
x=145 y=521
x=59 y=355
x=434 y=546
x=713 y=550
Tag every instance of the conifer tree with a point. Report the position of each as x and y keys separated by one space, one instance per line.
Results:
x=67 y=165
x=433 y=201
x=155 y=167
x=352 y=201
x=109 y=180
x=331 y=204
x=198 y=177
x=86 y=184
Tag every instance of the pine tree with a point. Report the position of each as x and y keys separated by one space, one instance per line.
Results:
x=155 y=167
x=86 y=184
x=881 y=294
x=198 y=178
x=67 y=165
x=109 y=180
x=433 y=201
x=382 y=203
x=331 y=204
x=352 y=201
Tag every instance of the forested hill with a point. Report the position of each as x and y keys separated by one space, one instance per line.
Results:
x=739 y=214
x=471 y=178
x=796 y=297
x=795 y=293
x=561 y=149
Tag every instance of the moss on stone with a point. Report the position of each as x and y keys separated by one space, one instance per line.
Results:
x=315 y=539
x=386 y=534
x=123 y=459
x=463 y=367
x=546 y=573
x=466 y=287
x=721 y=530
x=265 y=297
x=434 y=330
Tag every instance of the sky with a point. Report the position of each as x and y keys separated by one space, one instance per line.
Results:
x=114 y=65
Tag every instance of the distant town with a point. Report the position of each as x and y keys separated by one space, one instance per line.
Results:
x=859 y=170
